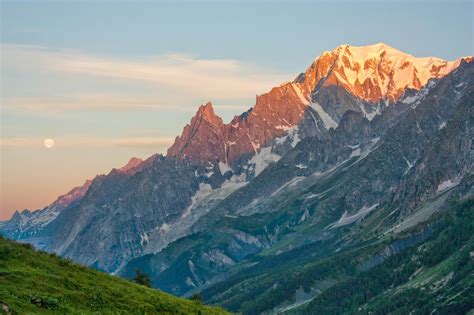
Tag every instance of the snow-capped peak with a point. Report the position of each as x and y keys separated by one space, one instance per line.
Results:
x=374 y=72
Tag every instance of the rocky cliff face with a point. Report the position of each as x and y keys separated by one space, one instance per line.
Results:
x=208 y=139
x=134 y=165
x=202 y=138
x=73 y=195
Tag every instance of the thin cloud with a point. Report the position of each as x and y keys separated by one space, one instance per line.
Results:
x=143 y=142
x=82 y=103
x=179 y=78
x=87 y=103
x=91 y=142
x=20 y=142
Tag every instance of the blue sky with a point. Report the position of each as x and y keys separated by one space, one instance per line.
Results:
x=280 y=34
x=278 y=37
x=110 y=80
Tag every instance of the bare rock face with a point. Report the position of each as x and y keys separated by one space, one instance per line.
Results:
x=208 y=139
x=73 y=195
x=202 y=138
x=133 y=166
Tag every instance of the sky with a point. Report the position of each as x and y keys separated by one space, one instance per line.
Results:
x=111 y=80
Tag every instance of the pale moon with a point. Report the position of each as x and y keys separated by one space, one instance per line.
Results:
x=49 y=143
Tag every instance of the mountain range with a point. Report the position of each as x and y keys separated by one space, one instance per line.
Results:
x=360 y=164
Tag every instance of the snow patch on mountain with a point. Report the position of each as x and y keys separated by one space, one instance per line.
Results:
x=209 y=174
x=410 y=99
x=446 y=184
x=203 y=191
x=224 y=168
x=283 y=127
x=298 y=91
x=371 y=115
x=164 y=227
x=325 y=117
x=144 y=239
x=356 y=152
x=409 y=164
x=262 y=159
x=292 y=135
x=347 y=219
x=291 y=183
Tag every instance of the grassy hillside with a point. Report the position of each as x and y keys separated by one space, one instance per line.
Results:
x=41 y=283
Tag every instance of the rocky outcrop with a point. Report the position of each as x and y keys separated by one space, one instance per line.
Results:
x=202 y=138
x=134 y=165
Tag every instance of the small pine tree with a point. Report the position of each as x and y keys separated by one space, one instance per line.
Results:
x=196 y=297
x=142 y=278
